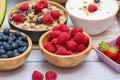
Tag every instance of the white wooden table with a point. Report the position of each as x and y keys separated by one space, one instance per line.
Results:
x=91 y=69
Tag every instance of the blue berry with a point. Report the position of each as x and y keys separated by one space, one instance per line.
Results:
x=15 y=54
x=96 y=1
x=22 y=49
x=17 y=33
x=33 y=7
x=4 y=56
x=10 y=54
x=15 y=51
x=2 y=51
x=14 y=45
x=24 y=38
x=4 y=38
x=6 y=31
x=39 y=20
x=10 y=38
x=28 y=12
x=7 y=47
x=19 y=11
x=1 y=34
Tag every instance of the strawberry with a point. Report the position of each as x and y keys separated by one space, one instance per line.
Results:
x=47 y=19
x=24 y=7
x=49 y=47
x=112 y=52
x=92 y=8
x=18 y=18
x=55 y=14
x=103 y=46
x=118 y=41
x=118 y=59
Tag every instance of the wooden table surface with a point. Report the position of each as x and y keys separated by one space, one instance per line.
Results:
x=91 y=69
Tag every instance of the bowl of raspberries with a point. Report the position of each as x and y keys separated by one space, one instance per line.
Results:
x=35 y=18
x=15 y=47
x=109 y=52
x=65 y=47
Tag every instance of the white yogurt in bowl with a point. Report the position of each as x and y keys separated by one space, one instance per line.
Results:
x=94 y=22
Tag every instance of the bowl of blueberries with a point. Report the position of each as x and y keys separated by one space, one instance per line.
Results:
x=15 y=47
x=35 y=18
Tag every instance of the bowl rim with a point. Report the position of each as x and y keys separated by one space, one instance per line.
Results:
x=92 y=19
x=51 y=2
x=63 y=56
x=27 y=51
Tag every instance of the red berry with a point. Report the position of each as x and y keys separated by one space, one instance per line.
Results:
x=36 y=75
x=44 y=2
x=24 y=7
x=57 y=46
x=75 y=30
x=118 y=41
x=86 y=40
x=81 y=47
x=63 y=28
x=39 y=7
x=55 y=34
x=118 y=59
x=55 y=28
x=50 y=75
x=79 y=37
x=18 y=18
x=63 y=51
x=49 y=47
x=71 y=45
x=63 y=38
x=54 y=41
x=92 y=8
x=47 y=19
x=55 y=14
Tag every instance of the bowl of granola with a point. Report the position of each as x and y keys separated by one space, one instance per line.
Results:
x=35 y=18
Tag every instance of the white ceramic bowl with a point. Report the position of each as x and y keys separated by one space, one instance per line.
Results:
x=93 y=25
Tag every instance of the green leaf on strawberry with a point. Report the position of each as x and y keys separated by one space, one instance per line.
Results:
x=103 y=46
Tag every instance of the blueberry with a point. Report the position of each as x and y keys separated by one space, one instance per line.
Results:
x=15 y=54
x=1 y=34
x=11 y=38
x=96 y=1
x=10 y=42
x=22 y=49
x=10 y=34
x=19 y=38
x=6 y=31
x=0 y=38
x=17 y=33
x=15 y=51
x=49 y=9
x=7 y=47
x=17 y=41
x=4 y=38
x=20 y=43
x=1 y=47
x=4 y=56
x=24 y=38
x=28 y=12
x=33 y=7
x=10 y=54
x=2 y=51
x=25 y=44
x=19 y=11
x=4 y=43
x=14 y=45
x=39 y=20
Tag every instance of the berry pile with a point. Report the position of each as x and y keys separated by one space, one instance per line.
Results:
x=49 y=75
x=111 y=51
x=12 y=44
x=65 y=41
x=47 y=18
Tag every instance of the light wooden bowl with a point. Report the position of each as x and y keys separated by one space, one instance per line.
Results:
x=62 y=60
x=15 y=62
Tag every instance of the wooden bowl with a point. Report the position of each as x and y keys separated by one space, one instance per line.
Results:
x=15 y=62
x=34 y=34
x=64 y=61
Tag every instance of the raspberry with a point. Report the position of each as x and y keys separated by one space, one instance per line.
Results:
x=57 y=46
x=63 y=51
x=118 y=41
x=79 y=37
x=81 y=47
x=38 y=7
x=63 y=38
x=75 y=30
x=18 y=18
x=55 y=14
x=55 y=28
x=50 y=75
x=54 y=41
x=44 y=2
x=71 y=45
x=55 y=34
x=63 y=28
x=47 y=19
x=86 y=40
x=92 y=8
x=24 y=7
x=36 y=75
x=49 y=47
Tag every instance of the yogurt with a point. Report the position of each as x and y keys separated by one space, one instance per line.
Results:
x=79 y=8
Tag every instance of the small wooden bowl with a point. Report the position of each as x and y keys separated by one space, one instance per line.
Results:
x=62 y=60
x=15 y=62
